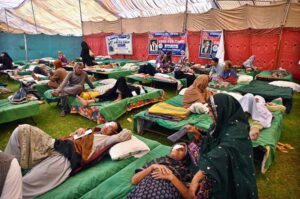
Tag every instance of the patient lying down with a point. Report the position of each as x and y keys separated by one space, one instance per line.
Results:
x=119 y=91
x=51 y=161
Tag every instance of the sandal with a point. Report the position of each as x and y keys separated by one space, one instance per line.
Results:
x=281 y=149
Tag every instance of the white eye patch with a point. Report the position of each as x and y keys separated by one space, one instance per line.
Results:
x=177 y=146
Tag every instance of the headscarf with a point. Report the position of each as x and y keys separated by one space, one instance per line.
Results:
x=6 y=56
x=226 y=155
x=84 y=45
x=226 y=110
x=57 y=64
x=197 y=92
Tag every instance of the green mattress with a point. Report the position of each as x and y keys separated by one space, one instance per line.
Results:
x=213 y=85
x=152 y=79
x=267 y=76
x=267 y=91
x=252 y=73
x=21 y=62
x=110 y=110
x=121 y=62
x=115 y=74
x=11 y=112
x=269 y=136
x=41 y=88
x=95 y=182
x=202 y=121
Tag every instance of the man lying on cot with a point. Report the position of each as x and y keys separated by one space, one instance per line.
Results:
x=72 y=85
x=51 y=161
x=119 y=91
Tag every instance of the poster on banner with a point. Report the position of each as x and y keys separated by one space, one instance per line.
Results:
x=211 y=44
x=167 y=41
x=119 y=44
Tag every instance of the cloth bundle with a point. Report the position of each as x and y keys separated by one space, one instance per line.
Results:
x=199 y=108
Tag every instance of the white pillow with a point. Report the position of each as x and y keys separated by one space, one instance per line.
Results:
x=133 y=147
x=108 y=81
x=244 y=78
x=236 y=95
x=292 y=85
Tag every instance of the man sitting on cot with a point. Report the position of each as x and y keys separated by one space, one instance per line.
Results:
x=51 y=161
x=73 y=84
x=229 y=74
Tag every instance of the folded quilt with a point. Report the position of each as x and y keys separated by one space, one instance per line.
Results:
x=163 y=108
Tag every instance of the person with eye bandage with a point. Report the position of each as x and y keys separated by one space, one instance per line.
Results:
x=223 y=157
x=164 y=177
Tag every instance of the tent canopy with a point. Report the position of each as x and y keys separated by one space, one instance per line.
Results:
x=72 y=17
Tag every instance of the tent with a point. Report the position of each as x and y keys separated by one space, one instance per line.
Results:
x=267 y=28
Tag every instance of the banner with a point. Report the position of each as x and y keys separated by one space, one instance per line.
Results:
x=211 y=44
x=119 y=44
x=167 y=41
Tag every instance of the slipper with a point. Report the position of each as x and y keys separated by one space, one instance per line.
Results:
x=287 y=146
x=281 y=149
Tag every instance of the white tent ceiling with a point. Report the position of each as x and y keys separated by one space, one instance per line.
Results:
x=63 y=16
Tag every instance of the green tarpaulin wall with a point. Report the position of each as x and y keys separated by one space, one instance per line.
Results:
x=39 y=46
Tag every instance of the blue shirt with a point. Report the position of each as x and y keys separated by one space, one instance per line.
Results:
x=216 y=70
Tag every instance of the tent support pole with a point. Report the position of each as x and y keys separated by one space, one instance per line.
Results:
x=6 y=20
x=81 y=18
x=33 y=16
x=26 y=49
x=281 y=32
x=184 y=28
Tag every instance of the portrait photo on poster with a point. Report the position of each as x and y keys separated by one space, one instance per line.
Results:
x=111 y=46
x=153 y=45
x=206 y=46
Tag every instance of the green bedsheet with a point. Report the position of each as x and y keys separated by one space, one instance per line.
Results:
x=213 y=85
x=270 y=137
x=112 y=110
x=146 y=80
x=115 y=74
x=11 y=112
x=21 y=62
x=119 y=185
x=202 y=121
x=252 y=73
x=121 y=62
x=41 y=88
x=151 y=79
x=267 y=91
x=87 y=182
x=267 y=75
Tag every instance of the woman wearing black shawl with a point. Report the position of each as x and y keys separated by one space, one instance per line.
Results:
x=87 y=59
x=226 y=153
x=6 y=61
